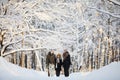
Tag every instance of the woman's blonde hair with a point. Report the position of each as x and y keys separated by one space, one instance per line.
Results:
x=59 y=55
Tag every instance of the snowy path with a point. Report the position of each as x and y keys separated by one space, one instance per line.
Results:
x=10 y=71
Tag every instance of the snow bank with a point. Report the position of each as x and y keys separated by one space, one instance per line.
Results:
x=10 y=71
x=109 y=72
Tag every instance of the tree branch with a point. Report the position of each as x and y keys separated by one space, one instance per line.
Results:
x=115 y=2
x=36 y=30
x=113 y=15
x=13 y=51
x=5 y=46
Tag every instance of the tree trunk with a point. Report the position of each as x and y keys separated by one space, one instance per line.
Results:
x=102 y=56
x=1 y=41
x=22 y=53
x=5 y=10
x=96 y=60
x=90 y=69
x=118 y=54
x=29 y=62
x=99 y=53
x=39 y=64
x=14 y=58
x=22 y=59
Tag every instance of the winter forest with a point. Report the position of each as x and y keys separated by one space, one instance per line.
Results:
x=88 y=29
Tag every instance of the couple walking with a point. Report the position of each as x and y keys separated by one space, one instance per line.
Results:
x=54 y=63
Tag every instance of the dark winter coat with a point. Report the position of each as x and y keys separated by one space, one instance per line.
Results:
x=58 y=64
x=50 y=59
x=66 y=63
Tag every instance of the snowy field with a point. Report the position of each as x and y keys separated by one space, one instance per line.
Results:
x=10 y=71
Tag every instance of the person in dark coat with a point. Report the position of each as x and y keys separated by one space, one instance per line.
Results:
x=50 y=63
x=66 y=62
x=58 y=65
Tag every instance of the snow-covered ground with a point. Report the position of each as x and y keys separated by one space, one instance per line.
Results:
x=10 y=71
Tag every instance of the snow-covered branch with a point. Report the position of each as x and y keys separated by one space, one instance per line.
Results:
x=36 y=30
x=18 y=50
x=4 y=47
x=115 y=2
x=113 y=15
